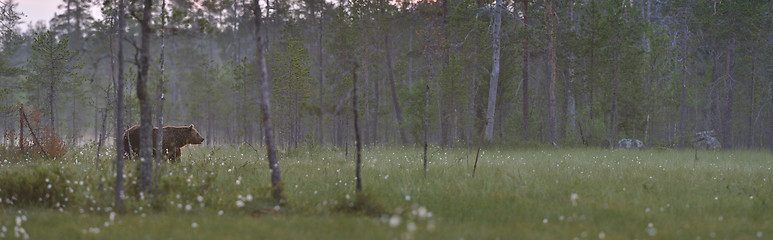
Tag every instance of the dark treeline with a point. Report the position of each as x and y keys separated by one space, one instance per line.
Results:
x=573 y=73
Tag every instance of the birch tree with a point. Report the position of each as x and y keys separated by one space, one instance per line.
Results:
x=119 y=111
x=265 y=108
x=146 y=120
x=493 y=83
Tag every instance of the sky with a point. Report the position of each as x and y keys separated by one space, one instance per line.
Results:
x=41 y=10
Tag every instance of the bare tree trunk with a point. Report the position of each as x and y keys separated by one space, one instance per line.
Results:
x=265 y=108
x=321 y=69
x=146 y=116
x=727 y=119
x=391 y=78
x=613 y=117
x=357 y=142
x=426 y=124
x=552 y=135
x=682 y=104
x=119 y=111
x=752 y=90
x=410 y=60
x=770 y=93
x=493 y=83
x=525 y=70
x=714 y=96
x=51 y=102
x=160 y=109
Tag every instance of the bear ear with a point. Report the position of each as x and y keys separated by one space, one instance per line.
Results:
x=190 y=127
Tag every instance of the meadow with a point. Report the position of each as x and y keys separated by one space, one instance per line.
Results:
x=223 y=192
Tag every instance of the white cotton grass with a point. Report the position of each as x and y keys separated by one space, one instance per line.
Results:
x=574 y=197
x=651 y=230
x=394 y=221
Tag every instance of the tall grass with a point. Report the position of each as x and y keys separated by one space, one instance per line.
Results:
x=224 y=192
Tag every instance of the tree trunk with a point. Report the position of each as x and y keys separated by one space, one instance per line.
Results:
x=146 y=120
x=493 y=83
x=613 y=117
x=51 y=102
x=752 y=90
x=321 y=69
x=525 y=70
x=265 y=108
x=552 y=121
x=395 y=102
x=770 y=93
x=714 y=112
x=357 y=142
x=160 y=109
x=119 y=112
x=727 y=119
x=426 y=124
x=682 y=104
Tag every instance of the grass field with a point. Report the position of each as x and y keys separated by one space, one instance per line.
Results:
x=223 y=193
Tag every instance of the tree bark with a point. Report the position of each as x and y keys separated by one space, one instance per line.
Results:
x=770 y=93
x=321 y=69
x=682 y=102
x=357 y=142
x=493 y=83
x=265 y=108
x=714 y=96
x=752 y=90
x=426 y=124
x=727 y=119
x=525 y=70
x=391 y=78
x=146 y=120
x=613 y=117
x=157 y=145
x=552 y=121
x=119 y=111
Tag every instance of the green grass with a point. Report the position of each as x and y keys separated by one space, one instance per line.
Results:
x=516 y=194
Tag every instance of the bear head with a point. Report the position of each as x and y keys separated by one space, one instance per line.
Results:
x=193 y=136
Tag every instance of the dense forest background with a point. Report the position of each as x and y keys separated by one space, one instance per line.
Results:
x=572 y=73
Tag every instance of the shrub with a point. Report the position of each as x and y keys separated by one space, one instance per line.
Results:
x=45 y=186
x=45 y=135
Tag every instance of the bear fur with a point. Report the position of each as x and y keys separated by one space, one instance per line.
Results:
x=174 y=138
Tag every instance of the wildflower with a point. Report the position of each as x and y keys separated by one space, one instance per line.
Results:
x=394 y=221
x=194 y=225
x=240 y=203
x=574 y=197
x=422 y=212
x=651 y=230
x=411 y=227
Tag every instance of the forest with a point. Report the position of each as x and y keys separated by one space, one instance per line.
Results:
x=573 y=73
x=391 y=119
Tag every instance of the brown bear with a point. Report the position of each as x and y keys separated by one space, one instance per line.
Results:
x=174 y=139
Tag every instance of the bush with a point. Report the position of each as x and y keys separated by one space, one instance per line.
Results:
x=45 y=186
x=50 y=144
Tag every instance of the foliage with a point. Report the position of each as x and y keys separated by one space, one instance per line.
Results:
x=39 y=186
x=43 y=141
x=226 y=194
